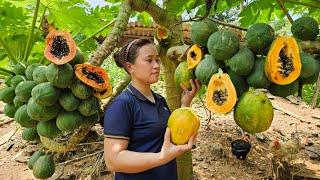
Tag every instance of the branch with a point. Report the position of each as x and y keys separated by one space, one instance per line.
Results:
x=108 y=45
x=285 y=11
x=82 y=157
x=8 y=51
x=159 y=15
x=216 y=21
x=118 y=89
x=6 y=122
x=101 y=29
x=28 y=46
x=226 y=24
x=316 y=93
x=315 y=5
x=42 y=16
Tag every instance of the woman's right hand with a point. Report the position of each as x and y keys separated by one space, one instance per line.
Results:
x=170 y=151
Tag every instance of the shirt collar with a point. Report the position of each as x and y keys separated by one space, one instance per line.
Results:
x=137 y=93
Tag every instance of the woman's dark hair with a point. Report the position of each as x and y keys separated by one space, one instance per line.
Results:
x=128 y=53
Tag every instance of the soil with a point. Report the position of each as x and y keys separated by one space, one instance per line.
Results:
x=212 y=157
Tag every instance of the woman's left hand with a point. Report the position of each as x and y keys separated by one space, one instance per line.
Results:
x=188 y=95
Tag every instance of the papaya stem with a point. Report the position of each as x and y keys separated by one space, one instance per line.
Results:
x=29 y=45
x=118 y=89
x=100 y=30
x=42 y=16
x=79 y=32
x=216 y=21
x=284 y=9
x=6 y=71
x=315 y=5
x=42 y=60
x=108 y=45
x=8 y=51
x=4 y=74
x=220 y=72
x=316 y=93
x=227 y=24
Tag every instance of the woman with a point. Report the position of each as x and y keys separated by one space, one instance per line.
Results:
x=137 y=141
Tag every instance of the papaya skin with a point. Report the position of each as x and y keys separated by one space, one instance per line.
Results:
x=183 y=123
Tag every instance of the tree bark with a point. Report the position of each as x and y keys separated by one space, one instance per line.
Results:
x=117 y=90
x=113 y=39
x=173 y=91
x=316 y=93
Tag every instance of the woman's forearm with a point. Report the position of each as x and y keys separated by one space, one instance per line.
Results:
x=134 y=162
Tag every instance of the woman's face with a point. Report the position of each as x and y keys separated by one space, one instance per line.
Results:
x=146 y=68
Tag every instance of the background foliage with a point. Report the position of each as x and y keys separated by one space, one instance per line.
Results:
x=82 y=19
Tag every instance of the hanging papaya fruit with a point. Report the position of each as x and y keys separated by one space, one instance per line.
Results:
x=283 y=65
x=104 y=93
x=93 y=76
x=221 y=95
x=194 y=56
x=60 y=47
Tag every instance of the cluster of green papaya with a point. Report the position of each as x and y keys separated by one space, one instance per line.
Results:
x=262 y=60
x=50 y=101
x=246 y=63
x=41 y=164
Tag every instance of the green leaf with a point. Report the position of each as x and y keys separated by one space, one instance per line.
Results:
x=3 y=54
x=115 y=73
x=222 y=6
x=265 y=14
x=278 y=13
x=5 y=64
x=12 y=19
x=144 y=18
x=176 y=8
x=233 y=3
x=307 y=94
x=252 y=12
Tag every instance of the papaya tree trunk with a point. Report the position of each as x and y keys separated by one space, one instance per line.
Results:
x=173 y=91
x=109 y=44
x=316 y=93
x=173 y=94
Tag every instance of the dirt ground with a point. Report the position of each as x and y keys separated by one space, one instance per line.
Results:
x=212 y=157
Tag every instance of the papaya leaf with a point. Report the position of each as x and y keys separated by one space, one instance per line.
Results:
x=233 y=3
x=3 y=54
x=13 y=19
x=144 y=18
x=222 y=6
x=176 y=8
x=5 y=63
x=307 y=94
x=252 y=11
x=265 y=14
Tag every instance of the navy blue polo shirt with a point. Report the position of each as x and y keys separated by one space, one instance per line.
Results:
x=133 y=117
